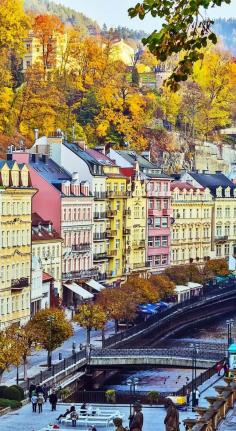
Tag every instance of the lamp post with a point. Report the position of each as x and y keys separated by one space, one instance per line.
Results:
x=50 y=319
x=132 y=383
x=194 y=373
x=229 y=323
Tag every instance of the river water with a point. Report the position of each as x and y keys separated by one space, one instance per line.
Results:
x=170 y=379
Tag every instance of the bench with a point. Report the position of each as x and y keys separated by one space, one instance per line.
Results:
x=89 y=420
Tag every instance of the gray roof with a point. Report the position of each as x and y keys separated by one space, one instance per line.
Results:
x=84 y=155
x=150 y=169
x=213 y=181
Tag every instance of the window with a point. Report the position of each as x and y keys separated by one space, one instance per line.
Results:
x=157 y=221
x=118 y=205
x=165 y=203
x=151 y=204
x=197 y=233
x=219 y=212
x=117 y=224
x=157 y=260
x=164 y=241
x=226 y=249
x=158 y=204
x=164 y=222
x=164 y=259
x=234 y=212
x=218 y=230
x=190 y=213
x=150 y=241
x=157 y=241
x=165 y=187
x=136 y=212
x=227 y=229
x=227 y=212
x=117 y=243
x=184 y=213
x=218 y=250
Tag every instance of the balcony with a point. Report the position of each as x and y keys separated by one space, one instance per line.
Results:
x=111 y=274
x=101 y=215
x=102 y=277
x=116 y=194
x=76 y=275
x=139 y=244
x=140 y=265
x=99 y=236
x=19 y=284
x=100 y=195
x=127 y=231
x=81 y=248
x=111 y=233
x=100 y=256
x=112 y=253
x=221 y=238
x=127 y=212
x=111 y=213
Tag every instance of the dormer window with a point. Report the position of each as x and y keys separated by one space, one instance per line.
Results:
x=94 y=169
x=219 y=192
x=227 y=192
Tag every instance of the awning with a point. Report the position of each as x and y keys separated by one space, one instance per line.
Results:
x=84 y=294
x=95 y=285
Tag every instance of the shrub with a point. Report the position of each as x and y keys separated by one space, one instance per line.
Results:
x=3 y=390
x=21 y=390
x=111 y=396
x=12 y=394
x=10 y=403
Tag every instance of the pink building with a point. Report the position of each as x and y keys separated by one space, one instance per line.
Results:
x=159 y=221
x=68 y=203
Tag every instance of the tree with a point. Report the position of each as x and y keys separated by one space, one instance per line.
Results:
x=90 y=316
x=9 y=352
x=52 y=328
x=177 y=274
x=215 y=267
x=13 y=25
x=184 y=30
x=140 y=290
x=114 y=303
x=163 y=284
x=135 y=77
x=47 y=29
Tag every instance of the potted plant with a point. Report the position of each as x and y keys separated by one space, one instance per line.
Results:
x=153 y=397
x=111 y=396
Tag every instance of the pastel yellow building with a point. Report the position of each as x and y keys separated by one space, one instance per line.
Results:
x=192 y=228
x=135 y=224
x=34 y=51
x=16 y=195
x=116 y=204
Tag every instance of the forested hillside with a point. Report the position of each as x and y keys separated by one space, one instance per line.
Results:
x=67 y=15
x=226 y=29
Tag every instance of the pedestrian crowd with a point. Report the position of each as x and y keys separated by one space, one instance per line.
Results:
x=39 y=395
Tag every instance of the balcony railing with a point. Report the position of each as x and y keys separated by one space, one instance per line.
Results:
x=19 y=283
x=127 y=231
x=139 y=244
x=100 y=195
x=112 y=253
x=99 y=236
x=221 y=238
x=100 y=215
x=111 y=233
x=139 y=265
x=100 y=256
x=75 y=275
x=111 y=213
x=117 y=194
x=81 y=248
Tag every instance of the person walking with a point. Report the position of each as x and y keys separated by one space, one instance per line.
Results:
x=136 y=422
x=45 y=390
x=34 y=400
x=74 y=417
x=40 y=402
x=172 y=416
x=53 y=400
x=197 y=397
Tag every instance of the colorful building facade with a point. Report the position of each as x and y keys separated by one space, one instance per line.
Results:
x=192 y=220
x=16 y=193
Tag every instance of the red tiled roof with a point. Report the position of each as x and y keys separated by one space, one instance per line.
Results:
x=128 y=172
x=43 y=233
x=99 y=156
x=47 y=277
x=181 y=186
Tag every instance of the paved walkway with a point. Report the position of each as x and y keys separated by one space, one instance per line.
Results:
x=25 y=420
x=229 y=424
x=39 y=358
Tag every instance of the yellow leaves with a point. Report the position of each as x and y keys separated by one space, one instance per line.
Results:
x=9 y=352
x=102 y=129
x=91 y=316
x=13 y=25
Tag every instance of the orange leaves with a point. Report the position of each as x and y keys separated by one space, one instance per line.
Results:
x=91 y=316
x=216 y=267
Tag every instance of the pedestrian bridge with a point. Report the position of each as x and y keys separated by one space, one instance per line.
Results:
x=182 y=357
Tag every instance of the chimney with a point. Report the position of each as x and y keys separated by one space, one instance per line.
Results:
x=85 y=188
x=81 y=144
x=36 y=134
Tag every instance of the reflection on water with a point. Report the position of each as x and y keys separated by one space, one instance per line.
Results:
x=159 y=379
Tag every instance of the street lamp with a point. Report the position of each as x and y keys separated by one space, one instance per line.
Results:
x=50 y=319
x=229 y=324
x=132 y=382
x=194 y=373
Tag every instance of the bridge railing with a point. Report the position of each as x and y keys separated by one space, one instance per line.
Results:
x=120 y=336
x=213 y=354
x=195 y=383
